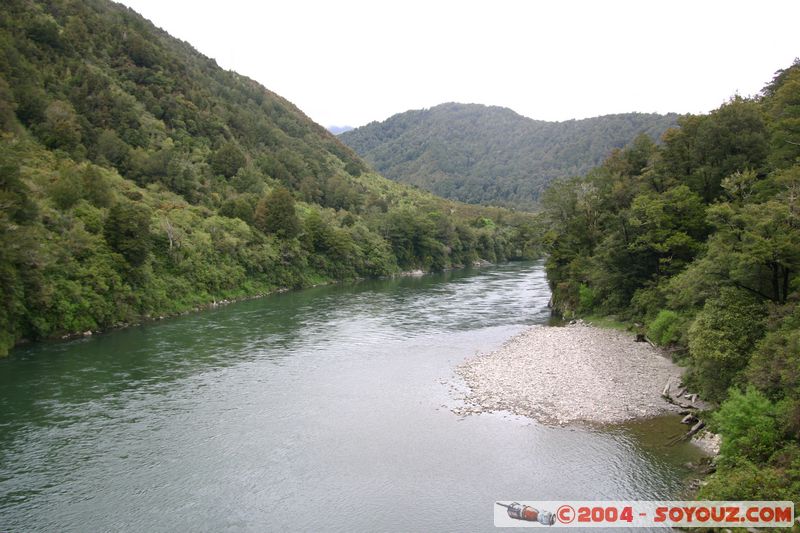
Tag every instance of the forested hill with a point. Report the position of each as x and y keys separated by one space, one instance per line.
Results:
x=491 y=155
x=138 y=178
x=698 y=240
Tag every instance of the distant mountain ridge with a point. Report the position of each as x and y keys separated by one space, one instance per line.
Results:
x=336 y=130
x=492 y=155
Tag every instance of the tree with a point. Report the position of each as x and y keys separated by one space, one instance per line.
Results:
x=782 y=99
x=127 y=231
x=667 y=230
x=775 y=365
x=708 y=148
x=748 y=421
x=634 y=159
x=227 y=160
x=241 y=207
x=44 y=30
x=95 y=100
x=7 y=107
x=16 y=203
x=275 y=213
x=60 y=128
x=721 y=339
x=111 y=149
x=759 y=243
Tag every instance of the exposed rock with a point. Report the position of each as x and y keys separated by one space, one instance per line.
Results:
x=411 y=273
x=708 y=441
x=577 y=373
x=689 y=419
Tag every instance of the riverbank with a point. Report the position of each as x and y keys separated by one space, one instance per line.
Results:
x=570 y=374
x=213 y=302
x=195 y=306
x=295 y=395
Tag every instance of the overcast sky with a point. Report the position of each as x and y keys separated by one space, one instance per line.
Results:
x=348 y=62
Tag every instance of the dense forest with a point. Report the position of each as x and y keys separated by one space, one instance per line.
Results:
x=698 y=240
x=491 y=155
x=138 y=178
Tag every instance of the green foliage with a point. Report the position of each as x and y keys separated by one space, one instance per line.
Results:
x=754 y=482
x=127 y=231
x=666 y=328
x=491 y=155
x=775 y=365
x=75 y=182
x=721 y=339
x=759 y=243
x=699 y=238
x=15 y=199
x=241 y=207
x=60 y=128
x=585 y=298
x=707 y=148
x=748 y=422
x=666 y=229
x=138 y=178
x=17 y=214
x=44 y=30
x=8 y=108
x=275 y=213
x=227 y=160
x=110 y=149
x=783 y=107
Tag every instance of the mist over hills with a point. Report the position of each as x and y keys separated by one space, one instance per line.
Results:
x=337 y=130
x=492 y=155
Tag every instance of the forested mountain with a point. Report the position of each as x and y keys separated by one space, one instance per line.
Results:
x=137 y=178
x=699 y=240
x=491 y=155
x=337 y=130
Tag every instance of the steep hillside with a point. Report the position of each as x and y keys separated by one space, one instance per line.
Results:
x=699 y=240
x=139 y=178
x=492 y=155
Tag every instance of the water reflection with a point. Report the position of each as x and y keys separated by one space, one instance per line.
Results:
x=337 y=396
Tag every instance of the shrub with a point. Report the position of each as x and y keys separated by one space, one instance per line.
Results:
x=745 y=482
x=721 y=339
x=647 y=302
x=127 y=231
x=227 y=160
x=667 y=328
x=586 y=298
x=749 y=426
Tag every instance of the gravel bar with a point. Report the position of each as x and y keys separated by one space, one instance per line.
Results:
x=571 y=374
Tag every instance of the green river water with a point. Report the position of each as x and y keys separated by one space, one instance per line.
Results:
x=327 y=409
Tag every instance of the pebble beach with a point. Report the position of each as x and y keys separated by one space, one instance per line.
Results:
x=568 y=375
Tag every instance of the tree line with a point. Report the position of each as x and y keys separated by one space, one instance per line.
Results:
x=698 y=241
x=491 y=155
x=138 y=179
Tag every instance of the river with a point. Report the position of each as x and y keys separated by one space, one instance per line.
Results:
x=326 y=409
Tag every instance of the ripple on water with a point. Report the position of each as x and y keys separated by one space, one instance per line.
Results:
x=241 y=417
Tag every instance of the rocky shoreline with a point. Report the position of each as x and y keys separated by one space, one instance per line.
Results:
x=571 y=374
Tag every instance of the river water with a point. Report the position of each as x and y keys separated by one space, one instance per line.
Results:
x=327 y=409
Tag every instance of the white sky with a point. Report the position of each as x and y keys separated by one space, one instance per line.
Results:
x=349 y=62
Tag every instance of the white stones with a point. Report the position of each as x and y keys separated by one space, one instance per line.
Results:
x=578 y=373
